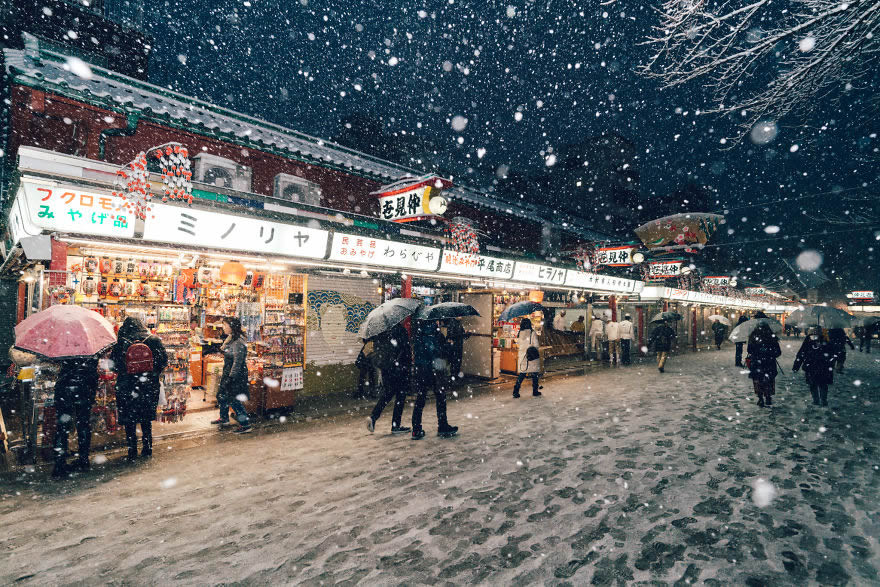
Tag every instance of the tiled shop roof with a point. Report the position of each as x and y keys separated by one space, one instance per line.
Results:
x=50 y=71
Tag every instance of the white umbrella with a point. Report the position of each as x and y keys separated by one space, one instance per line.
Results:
x=719 y=318
x=385 y=316
x=824 y=316
x=742 y=332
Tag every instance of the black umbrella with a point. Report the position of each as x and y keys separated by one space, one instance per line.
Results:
x=664 y=316
x=446 y=310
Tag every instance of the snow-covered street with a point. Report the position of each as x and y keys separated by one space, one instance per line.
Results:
x=625 y=475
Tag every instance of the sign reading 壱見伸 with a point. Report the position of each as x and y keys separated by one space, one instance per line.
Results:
x=615 y=256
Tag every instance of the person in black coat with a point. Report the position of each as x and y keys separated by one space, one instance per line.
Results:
x=137 y=394
x=838 y=340
x=662 y=337
x=817 y=360
x=763 y=349
x=75 y=391
x=738 y=361
x=393 y=353
x=719 y=330
x=233 y=389
x=455 y=337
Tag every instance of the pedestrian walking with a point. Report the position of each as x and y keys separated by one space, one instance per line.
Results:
x=366 y=372
x=455 y=337
x=720 y=332
x=612 y=333
x=430 y=363
x=75 y=391
x=838 y=340
x=763 y=349
x=865 y=336
x=138 y=358
x=528 y=358
x=597 y=333
x=392 y=356
x=738 y=361
x=627 y=336
x=662 y=337
x=816 y=358
x=233 y=389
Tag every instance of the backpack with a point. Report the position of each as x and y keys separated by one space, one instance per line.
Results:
x=138 y=358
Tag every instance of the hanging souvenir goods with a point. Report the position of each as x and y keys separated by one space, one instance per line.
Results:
x=176 y=171
x=463 y=236
x=585 y=257
x=133 y=186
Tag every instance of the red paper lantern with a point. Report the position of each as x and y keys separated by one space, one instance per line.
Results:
x=233 y=272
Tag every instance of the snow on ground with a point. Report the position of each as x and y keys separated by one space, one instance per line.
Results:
x=623 y=475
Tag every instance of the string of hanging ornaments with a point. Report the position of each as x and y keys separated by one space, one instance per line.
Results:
x=463 y=236
x=585 y=257
x=133 y=185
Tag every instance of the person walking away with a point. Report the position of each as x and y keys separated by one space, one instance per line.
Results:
x=393 y=357
x=838 y=340
x=75 y=391
x=739 y=346
x=719 y=330
x=866 y=334
x=366 y=371
x=661 y=338
x=612 y=333
x=627 y=336
x=138 y=359
x=763 y=349
x=428 y=348
x=816 y=358
x=233 y=388
x=597 y=332
x=559 y=321
x=528 y=358
x=455 y=337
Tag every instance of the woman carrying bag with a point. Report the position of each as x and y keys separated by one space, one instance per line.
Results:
x=528 y=357
x=233 y=388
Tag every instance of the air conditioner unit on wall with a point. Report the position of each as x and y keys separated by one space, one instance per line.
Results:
x=221 y=172
x=291 y=188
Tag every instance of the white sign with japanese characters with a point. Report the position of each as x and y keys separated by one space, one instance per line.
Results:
x=719 y=280
x=478 y=265
x=189 y=226
x=664 y=269
x=615 y=256
x=354 y=248
x=599 y=282
x=63 y=208
x=534 y=273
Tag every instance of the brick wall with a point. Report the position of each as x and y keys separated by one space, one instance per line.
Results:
x=337 y=306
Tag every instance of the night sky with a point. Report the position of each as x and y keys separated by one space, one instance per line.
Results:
x=569 y=68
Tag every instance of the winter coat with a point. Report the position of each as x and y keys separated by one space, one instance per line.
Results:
x=763 y=348
x=627 y=330
x=524 y=340
x=137 y=396
x=392 y=350
x=77 y=384
x=429 y=348
x=719 y=330
x=817 y=360
x=661 y=338
x=838 y=340
x=455 y=336
x=576 y=326
x=234 y=380
x=612 y=331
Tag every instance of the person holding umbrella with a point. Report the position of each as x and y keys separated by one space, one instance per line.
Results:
x=817 y=360
x=528 y=359
x=720 y=331
x=763 y=349
x=429 y=359
x=138 y=358
x=455 y=337
x=75 y=391
x=738 y=358
x=391 y=355
x=662 y=337
x=838 y=340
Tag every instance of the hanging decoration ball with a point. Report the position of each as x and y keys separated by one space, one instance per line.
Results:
x=233 y=272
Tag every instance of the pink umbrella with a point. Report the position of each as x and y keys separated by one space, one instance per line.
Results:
x=62 y=332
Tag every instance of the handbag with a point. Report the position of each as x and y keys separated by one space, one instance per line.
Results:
x=532 y=353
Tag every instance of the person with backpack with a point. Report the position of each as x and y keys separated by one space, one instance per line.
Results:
x=763 y=349
x=528 y=358
x=816 y=357
x=75 y=391
x=392 y=356
x=138 y=358
x=430 y=363
x=233 y=388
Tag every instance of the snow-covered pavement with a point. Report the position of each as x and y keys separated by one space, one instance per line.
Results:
x=625 y=475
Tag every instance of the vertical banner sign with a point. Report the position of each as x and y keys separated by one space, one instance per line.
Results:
x=664 y=269
x=615 y=256
x=412 y=198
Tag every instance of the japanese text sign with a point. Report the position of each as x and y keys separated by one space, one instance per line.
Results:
x=408 y=205
x=178 y=224
x=599 y=282
x=534 y=273
x=862 y=295
x=68 y=209
x=718 y=280
x=615 y=256
x=478 y=265
x=755 y=291
x=373 y=251
x=663 y=269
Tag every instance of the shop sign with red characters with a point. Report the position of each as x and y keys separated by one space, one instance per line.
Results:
x=477 y=265
x=615 y=256
x=53 y=207
x=412 y=198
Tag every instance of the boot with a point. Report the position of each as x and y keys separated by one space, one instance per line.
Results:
x=769 y=400
x=760 y=402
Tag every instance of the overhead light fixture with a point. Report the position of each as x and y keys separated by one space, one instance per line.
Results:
x=638 y=257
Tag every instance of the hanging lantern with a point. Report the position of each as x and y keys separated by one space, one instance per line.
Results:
x=233 y=272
